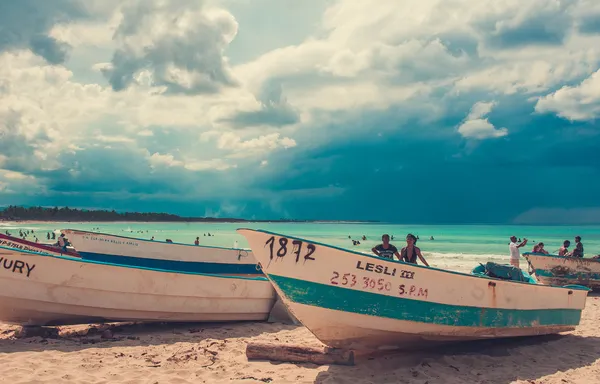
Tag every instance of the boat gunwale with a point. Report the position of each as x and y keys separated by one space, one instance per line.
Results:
x=525 y=254
x=579 y=288
x=157 y=241
x=81 y=260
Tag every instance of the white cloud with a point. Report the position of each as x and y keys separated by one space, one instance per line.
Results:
x=85 y=33
x=476 y=126
x=373 y=55
x=17 y=182
x=158 y=160
x=16 y=175
x=581 y=102
x=45 y=113
x=215 y=164
x=113 y=139
x=479 y=110
x=41 y=110
x=177 y=46
x=145 y=133
x=357 y=95
x=251 y=147
x=171 y=70
x=209 y=135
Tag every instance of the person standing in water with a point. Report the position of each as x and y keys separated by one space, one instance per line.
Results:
x=410 y=253
x=515 y=255
x=385 y=249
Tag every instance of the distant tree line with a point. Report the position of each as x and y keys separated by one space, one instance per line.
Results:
x=14 y=213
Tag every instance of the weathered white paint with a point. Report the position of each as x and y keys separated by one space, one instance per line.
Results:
x=339 y=329
x=431 y=285
x=60 y=289
x=92 y=242
x=561 y=270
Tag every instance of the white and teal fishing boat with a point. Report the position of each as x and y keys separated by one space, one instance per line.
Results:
x=162 y=255
x=559 y=270
x=38 y=288
x=351 y=300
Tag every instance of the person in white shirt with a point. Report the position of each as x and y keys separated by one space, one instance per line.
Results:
x=515 y=255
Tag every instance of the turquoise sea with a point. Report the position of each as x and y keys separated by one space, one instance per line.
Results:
x=456 y=247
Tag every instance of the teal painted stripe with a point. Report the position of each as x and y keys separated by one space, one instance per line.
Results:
x=174 y=265
x=367 y=303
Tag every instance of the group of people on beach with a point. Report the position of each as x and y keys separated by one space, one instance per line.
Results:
x=409 y=254
x=515 y=244
x=25 y=234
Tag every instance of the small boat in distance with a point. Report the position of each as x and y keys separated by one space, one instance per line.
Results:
x=26 y=245
x=162 y=255
x=38 y=288
x=560 y=270
x=350 y=300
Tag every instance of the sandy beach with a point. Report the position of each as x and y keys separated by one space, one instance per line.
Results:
x=215 y=353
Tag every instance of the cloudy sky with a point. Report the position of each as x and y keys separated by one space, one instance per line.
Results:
x=414 y=111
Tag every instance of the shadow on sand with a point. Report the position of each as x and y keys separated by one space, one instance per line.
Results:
x=489 y=361
x=80 y=337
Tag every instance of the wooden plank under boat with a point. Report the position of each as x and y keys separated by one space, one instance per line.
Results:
x=44 y=289
x=162 y=255
x=561 y=270
x=351 y=300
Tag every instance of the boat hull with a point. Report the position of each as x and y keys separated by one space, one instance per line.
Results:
x=161 y=255
x=382 y=333
x=354 y=301
x=562 y=270
x=42 y=289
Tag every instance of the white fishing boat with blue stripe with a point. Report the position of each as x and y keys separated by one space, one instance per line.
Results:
x=351 y=300
x=37 y=288
x=560 y=270
x=162 y=255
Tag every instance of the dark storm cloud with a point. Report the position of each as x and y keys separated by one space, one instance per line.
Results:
x=27 y=23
